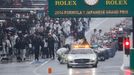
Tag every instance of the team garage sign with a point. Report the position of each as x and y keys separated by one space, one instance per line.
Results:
x=92 y=8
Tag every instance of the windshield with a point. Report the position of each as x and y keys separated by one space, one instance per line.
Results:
x=81 y=51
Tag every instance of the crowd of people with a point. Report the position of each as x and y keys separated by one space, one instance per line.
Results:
x=42 y=38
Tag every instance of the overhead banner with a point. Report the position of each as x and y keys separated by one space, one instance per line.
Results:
x=91 y=8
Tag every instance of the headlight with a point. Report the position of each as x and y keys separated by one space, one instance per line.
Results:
x=70 y=58
x=93 y=57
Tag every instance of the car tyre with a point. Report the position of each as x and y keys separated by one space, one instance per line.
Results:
x=95 y=65
x=68 y=66
x=61 y=62
x=103 y=58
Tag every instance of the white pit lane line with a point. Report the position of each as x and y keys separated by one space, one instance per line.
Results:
x=36 y=69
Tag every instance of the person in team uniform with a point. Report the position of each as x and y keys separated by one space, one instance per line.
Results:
x=36 y=46
x=51 y=42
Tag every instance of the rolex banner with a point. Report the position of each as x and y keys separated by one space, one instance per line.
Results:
x=91 y=8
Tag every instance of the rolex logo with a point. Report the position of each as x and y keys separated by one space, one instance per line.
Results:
x=91 y=2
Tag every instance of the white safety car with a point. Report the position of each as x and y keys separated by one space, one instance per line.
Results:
x=82 y=57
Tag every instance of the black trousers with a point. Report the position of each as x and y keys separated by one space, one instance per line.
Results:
x=36 y=51
x=51 y=52
x=45 y=52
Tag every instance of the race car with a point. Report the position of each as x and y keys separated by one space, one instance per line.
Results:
x=82 y=57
